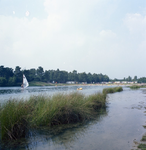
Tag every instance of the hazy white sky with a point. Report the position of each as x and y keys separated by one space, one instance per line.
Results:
x=96 y=36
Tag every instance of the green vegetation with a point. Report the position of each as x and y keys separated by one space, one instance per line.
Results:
x=112 y=90
x=35 y=83
x=137 y=86
x=17 y=116
x=13 y=119
x=142 y=146
x=8 y=77
x=142 y=80
x=144 y=138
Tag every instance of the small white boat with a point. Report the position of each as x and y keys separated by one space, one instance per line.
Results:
x=25 y=82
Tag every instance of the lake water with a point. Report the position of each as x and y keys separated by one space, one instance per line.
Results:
x=118 y=128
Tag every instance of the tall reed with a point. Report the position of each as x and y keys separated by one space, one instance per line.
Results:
x=135 y=87
x=112 y=90
x=13 y=119
x=17 y=116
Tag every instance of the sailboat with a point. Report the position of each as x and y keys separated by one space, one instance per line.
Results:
x=25 y=82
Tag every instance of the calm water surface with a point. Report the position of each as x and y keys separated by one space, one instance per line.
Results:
x=116 y=129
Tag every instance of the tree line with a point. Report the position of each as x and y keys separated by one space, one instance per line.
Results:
x=10 y=77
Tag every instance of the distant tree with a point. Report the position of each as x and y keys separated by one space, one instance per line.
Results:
x=5 y=73
x=105 y=78
x=12 y=81
x=51 y=75
x=1 y=71
x=135 y=78
x=89 y=78
x=47 y=76
x=71 y=76
x=8 y=77
x=3 y=81
x=96 y=78
x=32 y=74
x=129 y=79
x=18 y=75
x=40 y=73
x=17 y=70
x=82 y=77
x=142 y=80
x=100 y=76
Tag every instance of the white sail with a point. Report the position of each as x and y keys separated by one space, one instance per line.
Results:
x=25 y=82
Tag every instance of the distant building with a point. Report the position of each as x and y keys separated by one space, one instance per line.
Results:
x=124 y=82
x=70 y=82
x=117 y=82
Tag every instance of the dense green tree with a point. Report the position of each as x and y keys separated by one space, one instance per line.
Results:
x=142 y=80
x=18 y=74
x=96 y=78
x=3 y=81
x=12 y=81
x=82 y=77
x=135 y=78
x=8 y=77
x=105 y=78
x=129 y=78
x=47 y=76
x=89 y=78
x=40 y=73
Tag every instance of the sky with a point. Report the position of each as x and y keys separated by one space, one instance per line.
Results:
x=98 y=36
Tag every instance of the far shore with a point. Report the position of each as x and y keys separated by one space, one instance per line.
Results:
x=84 y=84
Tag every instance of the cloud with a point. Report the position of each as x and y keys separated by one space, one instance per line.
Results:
x=66 y=35
x=27 y=13
x=135 y=23
x=77 y=35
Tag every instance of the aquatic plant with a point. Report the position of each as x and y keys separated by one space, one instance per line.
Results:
x=144 y=138
x=17 y=116
x=13 y=119
x=135 y=87
x=62 y=109
x=112 y=90
x=142 y=146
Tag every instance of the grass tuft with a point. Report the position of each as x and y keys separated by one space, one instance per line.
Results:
x=17 y=116
x=112 y=90
x=135 y=87
x=142 y=146
x=13 y=119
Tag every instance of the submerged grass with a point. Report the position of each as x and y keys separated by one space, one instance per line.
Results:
x=17 y=116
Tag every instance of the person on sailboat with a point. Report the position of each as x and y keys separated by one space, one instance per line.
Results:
x=22 y=85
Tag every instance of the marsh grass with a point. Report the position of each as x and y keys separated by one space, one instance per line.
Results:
x=61 y=110
x=142 y=146
x=144 y=138
x=112 y=90
x=135 y=87
x=13 y=119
